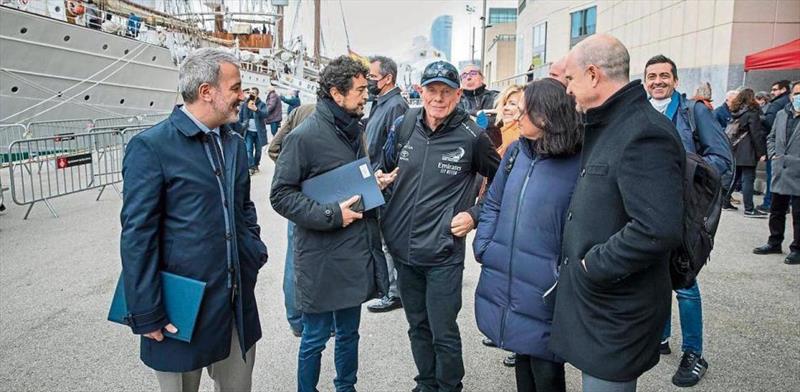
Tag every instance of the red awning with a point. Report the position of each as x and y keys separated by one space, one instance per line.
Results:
x=786 y=56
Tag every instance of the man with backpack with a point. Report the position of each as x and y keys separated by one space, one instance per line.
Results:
x=700 y=134
x=430 y=208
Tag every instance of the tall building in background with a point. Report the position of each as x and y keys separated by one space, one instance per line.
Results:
x=707 y=39
x=501 y=47
x=442 y=34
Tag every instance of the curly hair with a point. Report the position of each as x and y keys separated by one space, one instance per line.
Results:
x=553 y=111
x=746 y=98
x=339 y=74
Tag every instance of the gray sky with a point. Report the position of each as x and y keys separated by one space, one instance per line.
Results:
x=388 y=26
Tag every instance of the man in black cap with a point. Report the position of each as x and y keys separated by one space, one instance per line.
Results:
x=430 y=208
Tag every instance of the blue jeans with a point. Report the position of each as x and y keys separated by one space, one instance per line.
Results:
x=768 y=192
x=316 y=332
x=274 y=127
x=293 y=315
x=253 y=146
x=691 y=315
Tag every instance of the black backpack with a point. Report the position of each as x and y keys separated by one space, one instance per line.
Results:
x=702 y=198
x=398 y=137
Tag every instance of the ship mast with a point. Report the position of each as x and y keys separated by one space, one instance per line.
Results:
x=317 y=32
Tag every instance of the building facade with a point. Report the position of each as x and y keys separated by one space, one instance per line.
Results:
x=501 y=50
x=707 y=39
x=442 y=35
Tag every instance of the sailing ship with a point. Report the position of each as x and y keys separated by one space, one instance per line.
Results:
x=114 y=58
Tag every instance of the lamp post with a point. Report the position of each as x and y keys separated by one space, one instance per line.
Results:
x=470 y=11
x=483 y=33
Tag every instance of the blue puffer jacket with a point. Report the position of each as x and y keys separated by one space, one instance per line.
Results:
x=518 y=242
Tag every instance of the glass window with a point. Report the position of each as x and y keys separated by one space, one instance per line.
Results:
x=539 y=44
x=583 y=23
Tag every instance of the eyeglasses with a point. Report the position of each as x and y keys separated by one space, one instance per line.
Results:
x=472 y=73
x=775 y=89
x=440 y=71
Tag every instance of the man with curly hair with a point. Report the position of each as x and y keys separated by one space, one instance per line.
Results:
x=338 y=262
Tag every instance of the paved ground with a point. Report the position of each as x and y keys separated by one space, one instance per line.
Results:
x=57 y=277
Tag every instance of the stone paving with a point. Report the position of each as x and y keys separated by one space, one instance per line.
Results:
x=57 y=276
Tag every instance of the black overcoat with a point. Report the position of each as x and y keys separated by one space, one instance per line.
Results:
x=624 y=219
x=335 y=267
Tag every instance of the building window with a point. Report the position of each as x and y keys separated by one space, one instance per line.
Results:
x=583 y=23
x=502 y=15
x=521 y=6
x=539 y=44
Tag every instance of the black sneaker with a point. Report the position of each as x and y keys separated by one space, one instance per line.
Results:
x=510 y=361
x=754 y=213
x=692 y=368
x=664 y=349
x=793 y=258
x=729 y=207
x=763 y=208
x=385 y=304
x=488 y=342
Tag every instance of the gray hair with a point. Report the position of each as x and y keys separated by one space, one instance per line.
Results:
x=731 y=93
x=388 y=66
x=607 y=53
x=201 y=66
x=763 y=95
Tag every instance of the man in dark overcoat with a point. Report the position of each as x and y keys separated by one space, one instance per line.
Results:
x=625 y=218
x=338 y=261
x=186 y=210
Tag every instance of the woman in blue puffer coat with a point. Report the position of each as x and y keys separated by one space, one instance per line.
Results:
x=518 y=240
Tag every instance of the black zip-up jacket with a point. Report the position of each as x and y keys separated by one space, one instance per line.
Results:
x=473 y=101
x=435 y=183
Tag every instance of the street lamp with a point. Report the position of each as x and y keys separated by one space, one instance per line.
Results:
x=470 y=11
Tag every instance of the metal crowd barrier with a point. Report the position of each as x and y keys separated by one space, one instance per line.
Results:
x=9 y=133
x=130 y=121
x=42 y=129
x=65 y=164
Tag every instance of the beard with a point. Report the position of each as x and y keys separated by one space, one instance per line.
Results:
x=228 y=112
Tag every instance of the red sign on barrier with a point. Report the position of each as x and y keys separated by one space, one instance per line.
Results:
x=73 y=160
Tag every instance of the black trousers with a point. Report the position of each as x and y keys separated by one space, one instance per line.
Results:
x=539 y=375
x=431 y=300
x=777 y=220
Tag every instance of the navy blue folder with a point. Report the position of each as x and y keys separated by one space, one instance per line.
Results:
x=181 y=296
x=344 y=182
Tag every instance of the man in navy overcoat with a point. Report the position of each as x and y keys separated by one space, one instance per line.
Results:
x=187 y=210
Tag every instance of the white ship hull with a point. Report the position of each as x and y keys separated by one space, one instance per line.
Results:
x=96 y=74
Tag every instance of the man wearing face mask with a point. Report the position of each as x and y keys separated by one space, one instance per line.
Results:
x=338 y=259
x=388 y=106
x=783 y=148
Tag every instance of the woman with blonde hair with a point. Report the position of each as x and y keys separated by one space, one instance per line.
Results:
x=507 y=111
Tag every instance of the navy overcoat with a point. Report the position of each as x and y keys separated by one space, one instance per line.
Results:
x=181 y=214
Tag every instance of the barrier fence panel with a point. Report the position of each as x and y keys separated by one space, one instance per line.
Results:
x=42 y=129
x=9 y=133
x=61 y=165
x=129 y=121
x=153 y=118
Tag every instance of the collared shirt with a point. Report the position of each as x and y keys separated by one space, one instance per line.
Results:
x=791 y=123
x=205 y=129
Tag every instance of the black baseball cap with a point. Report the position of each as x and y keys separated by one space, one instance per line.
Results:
x=441 y=71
